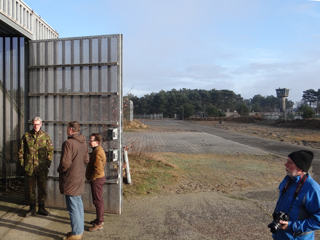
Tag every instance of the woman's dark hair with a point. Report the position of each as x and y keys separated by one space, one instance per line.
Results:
x=97 y=137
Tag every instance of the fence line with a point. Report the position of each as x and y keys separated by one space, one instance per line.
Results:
x=149 y=116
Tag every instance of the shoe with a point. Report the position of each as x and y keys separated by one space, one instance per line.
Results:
x=95 y=222
x=42 y=210
x=31 y=211
x=69 y=236
x=96 y=227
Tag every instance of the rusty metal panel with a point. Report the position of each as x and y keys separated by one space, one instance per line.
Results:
x=80 y=79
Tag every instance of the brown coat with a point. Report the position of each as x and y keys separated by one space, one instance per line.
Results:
x=95 y=168
x=74 y=157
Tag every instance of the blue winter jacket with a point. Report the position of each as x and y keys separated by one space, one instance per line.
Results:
x=304 y=216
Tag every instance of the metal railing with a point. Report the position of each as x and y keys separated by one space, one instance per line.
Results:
x=21 y=15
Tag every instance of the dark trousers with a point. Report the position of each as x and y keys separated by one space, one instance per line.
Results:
x=97 y=197
x=40 y=180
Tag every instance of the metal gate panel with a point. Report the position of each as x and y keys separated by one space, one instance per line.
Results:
x=80 y=79
x=12 y=103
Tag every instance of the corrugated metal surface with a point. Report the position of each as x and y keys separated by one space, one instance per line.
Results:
x=21 y=19
x=80 y=79
x=12 y=101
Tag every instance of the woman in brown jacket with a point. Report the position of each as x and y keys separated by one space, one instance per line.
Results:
x=95 y=174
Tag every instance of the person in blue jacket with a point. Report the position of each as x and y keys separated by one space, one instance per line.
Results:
x=297 y=212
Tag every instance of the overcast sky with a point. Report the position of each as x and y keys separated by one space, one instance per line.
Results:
x=247 y=46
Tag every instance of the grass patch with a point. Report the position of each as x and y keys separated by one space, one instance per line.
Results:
x=163 y=173
x=131 y=126
x=150 y=174
x=229 y=172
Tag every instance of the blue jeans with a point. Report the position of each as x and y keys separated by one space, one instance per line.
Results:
x=76 y=213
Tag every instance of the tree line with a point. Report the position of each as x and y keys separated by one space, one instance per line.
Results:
x=311 y=98
x=310 y=103
x=211 y=103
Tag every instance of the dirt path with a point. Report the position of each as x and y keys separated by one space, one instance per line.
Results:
x=203 y=215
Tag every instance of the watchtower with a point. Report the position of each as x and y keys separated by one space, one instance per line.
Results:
x=282 y=93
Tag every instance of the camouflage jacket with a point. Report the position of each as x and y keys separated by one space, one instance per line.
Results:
x=36 y=152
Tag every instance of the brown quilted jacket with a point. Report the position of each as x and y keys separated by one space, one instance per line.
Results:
x=95 y=167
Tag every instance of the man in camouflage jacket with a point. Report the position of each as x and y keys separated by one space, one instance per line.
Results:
x=35 y=156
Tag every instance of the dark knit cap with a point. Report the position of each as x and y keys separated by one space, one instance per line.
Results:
x=302 y=159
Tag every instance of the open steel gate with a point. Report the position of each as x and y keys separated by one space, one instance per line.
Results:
x=12 y=104
x=80 y=79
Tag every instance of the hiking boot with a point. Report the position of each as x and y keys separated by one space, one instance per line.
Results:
x=42 y=210
x=96 y=227
x=31 y=211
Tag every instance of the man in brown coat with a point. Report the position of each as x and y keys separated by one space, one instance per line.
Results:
x=95 y=174
x=74 y=157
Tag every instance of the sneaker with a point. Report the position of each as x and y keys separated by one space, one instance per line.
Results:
x=96 y=227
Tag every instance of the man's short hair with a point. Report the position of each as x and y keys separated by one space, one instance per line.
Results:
x=36 y=119
x=75 y=126
x=97 y=137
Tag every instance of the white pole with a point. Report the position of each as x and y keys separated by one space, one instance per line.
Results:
x=126 y=160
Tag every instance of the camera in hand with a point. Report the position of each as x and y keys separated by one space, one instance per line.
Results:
x=277 y=216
